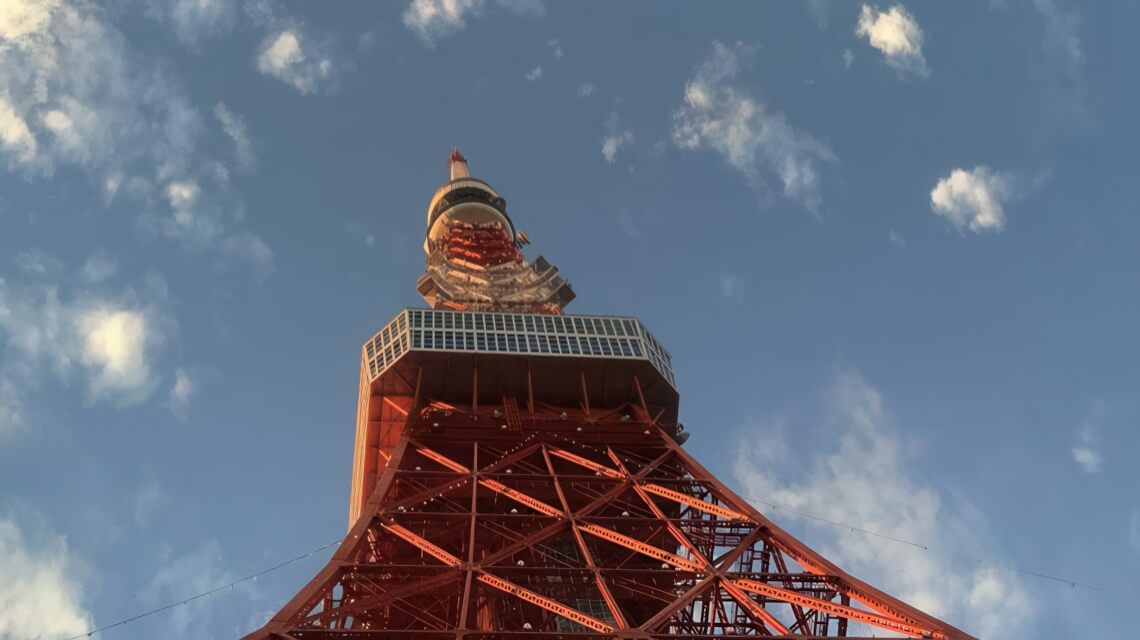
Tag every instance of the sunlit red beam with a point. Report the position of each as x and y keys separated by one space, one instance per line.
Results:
x=546 y=603
x=640 y=547
x=589 y=464
x=422 y=544
x=835 y=609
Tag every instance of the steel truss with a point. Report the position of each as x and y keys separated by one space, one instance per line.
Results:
x=571 y=527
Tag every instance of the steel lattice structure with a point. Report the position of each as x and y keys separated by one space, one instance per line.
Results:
x=519 y=473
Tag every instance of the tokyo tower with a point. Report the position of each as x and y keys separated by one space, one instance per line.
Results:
x=519 y=474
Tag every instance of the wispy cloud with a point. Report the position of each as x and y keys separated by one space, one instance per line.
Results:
x=295 y=59
x=194 y=20
x=1061 y=31
x=188 y=574
x=77 y=95
x=180 y=393
x=111 y=341
x=616 y=137
x=896 y=34
x=234 y=126
x=99 y=267
x=1085 y=451
x=730 y=287
x=865 y=478
x=433 y=20
x=752 y=138
x=534 y=74
x=585 y=90
x=41 y=591
x=848 y=58
x=973 y=199
x=555 y=48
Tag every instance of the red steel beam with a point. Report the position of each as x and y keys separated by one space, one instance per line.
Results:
x=677 y=496
x=546 y=603
x=754 y=608
x=835 y=609
x=521 y=498
x=588 y=464
x=422 y=544
x=643 y=548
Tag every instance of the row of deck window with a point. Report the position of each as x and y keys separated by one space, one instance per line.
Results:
x=513 y=333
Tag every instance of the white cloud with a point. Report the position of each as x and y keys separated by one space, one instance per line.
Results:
x=252 y=250
x=111 y=341
x=615 y=137
x=585 y=90
x=973 y=198
x=11 y=407
x=433 y=20
x=865 y=478
x=753 y=139
x=730 y=287
x=98 y=267
x=115 y=345
x=534 y=74
x=15 y=136
x=611 y=144
x=555 y=48
x=37 y=263
x=180 y=393
x=295 y=60
x=234 y=126
x=1061 y=31
x=75 y=94
x=1085 y=453
x=897 y=35
x=40 y=594
x=194 y=20
x=848 y=58
x=1087 y=458
x=186 y=575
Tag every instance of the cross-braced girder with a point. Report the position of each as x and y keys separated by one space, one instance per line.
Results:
x=551 y=530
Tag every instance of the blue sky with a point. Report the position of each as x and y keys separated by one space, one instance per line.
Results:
x=890 y=246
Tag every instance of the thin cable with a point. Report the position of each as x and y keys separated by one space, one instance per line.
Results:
x=251 y=576
x=843 y=525
x=1044 y=576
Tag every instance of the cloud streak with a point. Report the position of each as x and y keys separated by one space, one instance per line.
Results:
x=866 y=479
x=752 y=138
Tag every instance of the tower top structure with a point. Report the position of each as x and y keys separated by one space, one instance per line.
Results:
x=474 y=257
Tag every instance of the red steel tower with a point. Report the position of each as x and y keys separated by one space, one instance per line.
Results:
x=519 y=473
